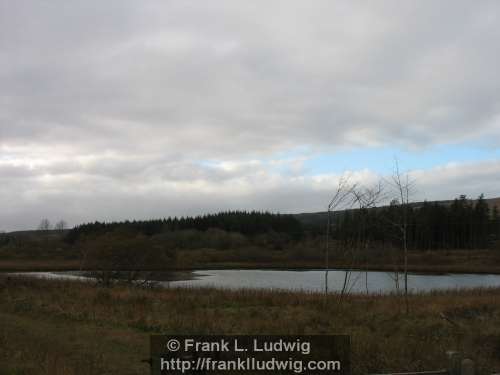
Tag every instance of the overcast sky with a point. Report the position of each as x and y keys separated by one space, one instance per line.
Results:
x=139 y=109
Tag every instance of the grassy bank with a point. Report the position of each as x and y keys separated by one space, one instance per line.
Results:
x=49 y=327
x=212 y=249
x=457 y=261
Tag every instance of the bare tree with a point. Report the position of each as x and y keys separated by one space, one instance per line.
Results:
x=348 y=196
x=340 y=197
x=363 y=198
x=402 y=188
x=112 y=258
x=44 y=225
x=61 y=225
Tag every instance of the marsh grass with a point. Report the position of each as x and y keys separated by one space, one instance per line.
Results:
x=299 y=256
x=57 y=327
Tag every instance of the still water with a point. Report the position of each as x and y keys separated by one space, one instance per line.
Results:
x=311 y=280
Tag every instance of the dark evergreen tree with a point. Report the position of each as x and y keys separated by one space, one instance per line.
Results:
x=247 y=223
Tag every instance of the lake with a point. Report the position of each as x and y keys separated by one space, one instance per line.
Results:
x=310 y=280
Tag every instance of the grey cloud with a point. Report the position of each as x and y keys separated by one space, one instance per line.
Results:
x=136 y=96
x=98 y=198
x=242 y=77
x=451 y=180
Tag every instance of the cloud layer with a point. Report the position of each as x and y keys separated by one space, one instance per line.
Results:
x=120 y=109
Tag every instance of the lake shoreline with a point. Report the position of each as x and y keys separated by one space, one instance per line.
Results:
x=359 y=282
x=71 y=265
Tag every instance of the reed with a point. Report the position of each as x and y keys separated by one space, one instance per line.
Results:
x=57 y=327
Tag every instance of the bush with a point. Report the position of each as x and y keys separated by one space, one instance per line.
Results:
x=112 y=256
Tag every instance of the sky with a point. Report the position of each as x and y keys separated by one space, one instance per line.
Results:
x=126 y=109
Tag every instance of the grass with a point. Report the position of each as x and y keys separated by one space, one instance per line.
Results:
x=38 y=265
x=458 y=261
x=35 y=251
x=55 y=327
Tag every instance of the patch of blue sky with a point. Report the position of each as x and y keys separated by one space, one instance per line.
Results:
x=377 y=159
x=381 y=159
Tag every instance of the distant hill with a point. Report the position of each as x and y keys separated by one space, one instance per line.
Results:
x=492 y=202
x=36 y=233
x=307 y=219
x=314 y=219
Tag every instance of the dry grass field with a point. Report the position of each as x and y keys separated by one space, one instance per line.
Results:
x=54 y=327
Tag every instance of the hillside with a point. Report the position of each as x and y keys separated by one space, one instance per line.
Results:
x=307 y=219
x=314 y=219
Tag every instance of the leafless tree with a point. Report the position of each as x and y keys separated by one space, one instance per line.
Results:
x=362 y=198
x=402 y=187
x=61 y=225
x=349 y=196
x=341 y=196
x=44 y=225
x=113 y=258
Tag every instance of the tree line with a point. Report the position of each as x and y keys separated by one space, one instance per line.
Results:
x=463 y=224
x=247 y=223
